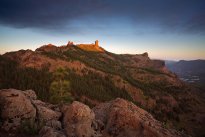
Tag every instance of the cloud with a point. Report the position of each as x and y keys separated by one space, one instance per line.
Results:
x=45 y=14
x=184 y=16
x=179 y=16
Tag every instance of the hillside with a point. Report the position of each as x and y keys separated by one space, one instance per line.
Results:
x=72 y=72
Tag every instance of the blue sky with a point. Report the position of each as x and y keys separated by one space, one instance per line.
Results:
x=166 y=29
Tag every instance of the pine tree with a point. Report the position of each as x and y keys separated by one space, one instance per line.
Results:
x=60 y=87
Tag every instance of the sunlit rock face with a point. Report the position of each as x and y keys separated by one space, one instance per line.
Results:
x=91 y=47
x=94 y=47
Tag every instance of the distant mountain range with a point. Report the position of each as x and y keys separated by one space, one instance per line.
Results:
x=190 y=71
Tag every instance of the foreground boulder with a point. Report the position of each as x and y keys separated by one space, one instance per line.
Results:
x=19 y=108
x=123 y=119
x=15 y=107
x=44 y=111
x=78 y=120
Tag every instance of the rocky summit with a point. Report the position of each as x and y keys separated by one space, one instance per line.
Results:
x=22 y=111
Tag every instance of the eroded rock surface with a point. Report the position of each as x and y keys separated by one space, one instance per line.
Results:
x=46 y=114
x=117 y=118
x=15 y=107
x=122 y=118
x=78 y=120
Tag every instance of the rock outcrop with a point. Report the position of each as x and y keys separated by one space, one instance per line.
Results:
x=122 y=118
x=47 y=48
x=46 y=114
x=18 y=107
x=15 y=107
x=91 y=47
x=117 y=118
x=78 y=119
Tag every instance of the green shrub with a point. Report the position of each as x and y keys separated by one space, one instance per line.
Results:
x=60 y=87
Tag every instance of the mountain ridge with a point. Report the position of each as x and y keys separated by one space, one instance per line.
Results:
x=104 y=76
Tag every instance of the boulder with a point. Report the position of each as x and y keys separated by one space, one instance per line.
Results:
x=15 y=107
x=78 y=119
x=117 y=118
x=45 y=111
x=122 y=118
x=46 y=114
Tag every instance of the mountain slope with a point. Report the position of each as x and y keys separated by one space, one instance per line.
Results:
x=93 y=77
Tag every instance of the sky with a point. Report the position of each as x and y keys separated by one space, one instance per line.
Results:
x=166 y=29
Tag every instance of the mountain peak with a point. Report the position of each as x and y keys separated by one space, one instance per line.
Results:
x=48 y=47
x=91 y=47
x=94 y=47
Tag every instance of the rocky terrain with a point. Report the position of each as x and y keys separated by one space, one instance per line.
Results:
x=22 y=112
x=89 y=74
